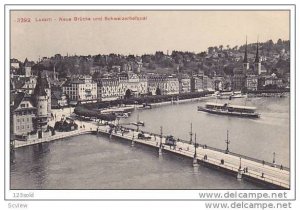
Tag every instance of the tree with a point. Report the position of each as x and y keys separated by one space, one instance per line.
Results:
x=210 y=49
x=221 y=47
x=158 y=91
x=127 y=93
x=96 y=75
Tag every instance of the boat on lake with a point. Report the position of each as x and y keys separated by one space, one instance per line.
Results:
x=229 y=95
x=229 y=109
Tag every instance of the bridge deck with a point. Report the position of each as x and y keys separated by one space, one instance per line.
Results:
x=257 y=171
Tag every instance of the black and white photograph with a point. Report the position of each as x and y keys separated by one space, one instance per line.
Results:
x=122 y=99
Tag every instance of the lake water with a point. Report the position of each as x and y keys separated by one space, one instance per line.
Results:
x=95 y=162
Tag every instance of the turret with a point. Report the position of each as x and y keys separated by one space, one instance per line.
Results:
x=41 y=102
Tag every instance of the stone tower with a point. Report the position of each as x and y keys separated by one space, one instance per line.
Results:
x=27 y=67
x=41 y=102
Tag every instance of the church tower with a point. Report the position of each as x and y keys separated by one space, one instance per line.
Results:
x=41 y=103
x=257 y=64
x=245 y=62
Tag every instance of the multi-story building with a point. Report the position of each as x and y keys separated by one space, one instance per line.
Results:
x=273 y=80
x=238 y=81
x=184 y=84
x=136 y=84
x=167 y=85
x=23 y=114
x=252 y=82
x=31 y=112
x=80 y=89
x=109 y=89
x=197 y=84
x=115 y=88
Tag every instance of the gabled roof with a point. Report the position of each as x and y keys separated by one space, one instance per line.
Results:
x=17 y=98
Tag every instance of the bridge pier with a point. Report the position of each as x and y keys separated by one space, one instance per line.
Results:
x=132 y=142
x=239 y=174
x=240 y=171
x=160 y=150
x=195 y=162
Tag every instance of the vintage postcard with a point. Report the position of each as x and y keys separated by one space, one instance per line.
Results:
x=114 y=99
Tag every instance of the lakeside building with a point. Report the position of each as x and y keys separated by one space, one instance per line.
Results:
x=81 y=88
x=108 y=89
x=197 y=83
x=22 y=112
x=136 y=84
x=184 y=84
x=273 y=80
x=167 y=85
x=202 y=82
x=252 y=82
x=30 y=113
x=115 y=88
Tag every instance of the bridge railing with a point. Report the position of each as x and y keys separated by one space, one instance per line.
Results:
x=219 y=150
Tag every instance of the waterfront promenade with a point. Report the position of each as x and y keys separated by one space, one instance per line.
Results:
x=83 y=128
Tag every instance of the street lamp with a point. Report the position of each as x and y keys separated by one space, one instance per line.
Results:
x=191 y=134
x=227 y=143
x=274 y=161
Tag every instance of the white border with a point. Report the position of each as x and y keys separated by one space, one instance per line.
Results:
x=142 y=194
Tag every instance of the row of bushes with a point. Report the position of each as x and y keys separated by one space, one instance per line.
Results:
x=282 y=90
x=91 y=109
x=145 y=99
x=83 y=110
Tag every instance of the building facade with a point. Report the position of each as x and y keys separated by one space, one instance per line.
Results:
x=167 y=85
x=23 y=114
x=80 y=89
x=185 y=84
x=252 y=82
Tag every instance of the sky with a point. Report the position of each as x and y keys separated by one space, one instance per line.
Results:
x=191 y=31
